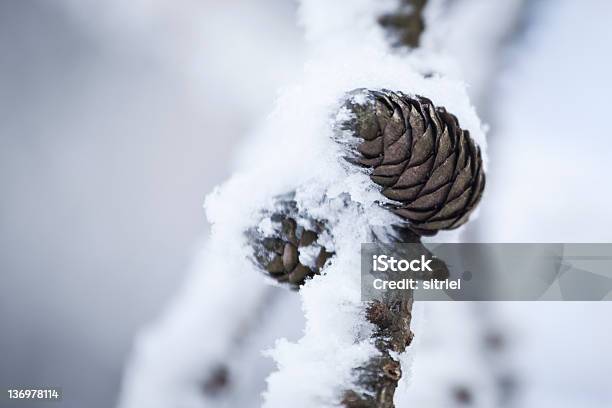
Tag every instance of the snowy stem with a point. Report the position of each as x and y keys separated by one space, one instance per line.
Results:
x=378 y=378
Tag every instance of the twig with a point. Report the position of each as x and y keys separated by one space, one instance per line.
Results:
x=379 y=377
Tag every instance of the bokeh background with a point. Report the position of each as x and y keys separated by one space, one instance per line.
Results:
x=116 y=118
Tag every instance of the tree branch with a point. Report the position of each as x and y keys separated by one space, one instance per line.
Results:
x=406 y=23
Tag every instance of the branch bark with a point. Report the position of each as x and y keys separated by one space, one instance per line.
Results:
x=377 y=380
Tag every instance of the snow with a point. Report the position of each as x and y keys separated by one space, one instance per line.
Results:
x=189 y=338
x=333 y=25
x=308 y=255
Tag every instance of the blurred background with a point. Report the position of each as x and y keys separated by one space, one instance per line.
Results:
x=116 y=118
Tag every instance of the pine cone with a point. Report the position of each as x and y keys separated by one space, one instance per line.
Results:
x=428 y=166
x=288 y=251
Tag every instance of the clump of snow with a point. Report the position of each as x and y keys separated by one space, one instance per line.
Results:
x=308 y=255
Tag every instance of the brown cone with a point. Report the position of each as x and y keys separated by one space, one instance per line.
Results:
x=428 y=166
x=277 y=253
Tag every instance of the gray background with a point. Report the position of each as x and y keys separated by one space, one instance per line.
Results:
x=117 y=117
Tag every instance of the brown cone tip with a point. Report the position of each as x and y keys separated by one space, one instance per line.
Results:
x=427 y=166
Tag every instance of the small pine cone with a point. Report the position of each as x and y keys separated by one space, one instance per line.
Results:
x=428 y=166
x=288 y=249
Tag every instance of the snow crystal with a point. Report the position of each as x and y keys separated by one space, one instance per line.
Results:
x=308 y=255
